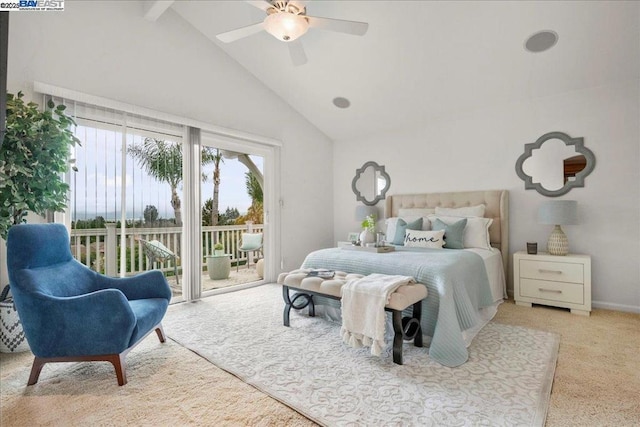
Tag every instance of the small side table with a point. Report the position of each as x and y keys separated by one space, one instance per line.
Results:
x=218 y=266
x=560 y=281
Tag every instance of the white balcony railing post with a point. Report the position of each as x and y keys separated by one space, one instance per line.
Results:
x=111 y=250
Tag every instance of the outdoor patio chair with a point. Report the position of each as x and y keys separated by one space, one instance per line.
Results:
x=73 y=314
x=250 y=242
x=157 y=252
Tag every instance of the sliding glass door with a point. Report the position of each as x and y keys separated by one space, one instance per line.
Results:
x=124 y=207
x=151 y=194
x=233 y=231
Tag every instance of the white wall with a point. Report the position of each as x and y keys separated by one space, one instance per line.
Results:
x=477 y=150
x=107 y=49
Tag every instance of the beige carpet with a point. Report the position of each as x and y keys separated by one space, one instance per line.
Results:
x=596 y=382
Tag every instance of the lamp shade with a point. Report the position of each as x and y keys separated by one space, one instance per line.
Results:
x=363 y=211
x=286 y=26
x=558 y=212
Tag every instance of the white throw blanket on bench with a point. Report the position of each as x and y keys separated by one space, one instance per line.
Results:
x=363 y=315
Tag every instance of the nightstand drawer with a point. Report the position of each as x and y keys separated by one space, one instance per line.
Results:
x=552 y=291
x=552 y=271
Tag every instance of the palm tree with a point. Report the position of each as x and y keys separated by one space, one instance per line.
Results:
x=213 y=155
x=254 y=189
x=162 y=160
x=255 y=213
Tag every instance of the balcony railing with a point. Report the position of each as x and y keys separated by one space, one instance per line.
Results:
x=99 y=249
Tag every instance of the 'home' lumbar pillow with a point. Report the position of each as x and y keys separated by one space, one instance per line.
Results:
x=424 y=239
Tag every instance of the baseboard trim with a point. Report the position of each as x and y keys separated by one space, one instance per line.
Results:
x=603 y=305
x=616 y=307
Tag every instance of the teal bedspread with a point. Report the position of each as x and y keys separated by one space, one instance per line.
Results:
x=457 y=283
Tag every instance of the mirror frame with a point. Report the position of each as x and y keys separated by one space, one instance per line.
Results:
x=383 y=191
x=578 y=143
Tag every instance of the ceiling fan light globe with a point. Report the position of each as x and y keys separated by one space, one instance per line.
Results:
x=286 y=26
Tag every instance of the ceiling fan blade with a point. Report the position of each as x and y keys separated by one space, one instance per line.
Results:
x=260 y=4
x=238 y=33
x=350 y=27
x=296 y=50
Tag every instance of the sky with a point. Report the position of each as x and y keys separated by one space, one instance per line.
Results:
x=96 y=186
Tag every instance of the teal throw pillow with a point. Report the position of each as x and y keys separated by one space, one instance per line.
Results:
x=402 y=227
x=453 y=233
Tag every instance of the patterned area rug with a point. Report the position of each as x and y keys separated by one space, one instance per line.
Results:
x=507 y=380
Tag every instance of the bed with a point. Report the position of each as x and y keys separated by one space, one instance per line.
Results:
x=465 y=286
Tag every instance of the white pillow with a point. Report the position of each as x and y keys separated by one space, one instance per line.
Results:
x=393 y=221
x=424 y=239
x=415 y=212
x=476 y=233
x=466 y=211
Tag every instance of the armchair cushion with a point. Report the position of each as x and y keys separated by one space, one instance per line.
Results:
x=148 y=313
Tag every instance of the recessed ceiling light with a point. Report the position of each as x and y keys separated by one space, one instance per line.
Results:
x=541 y=41
x=341 y=102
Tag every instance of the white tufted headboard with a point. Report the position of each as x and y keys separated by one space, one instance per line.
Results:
x=497 y=207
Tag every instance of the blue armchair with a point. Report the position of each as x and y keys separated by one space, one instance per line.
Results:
x=71 y=313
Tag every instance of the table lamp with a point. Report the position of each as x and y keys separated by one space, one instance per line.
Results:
x=363 y=211
x=557 y=213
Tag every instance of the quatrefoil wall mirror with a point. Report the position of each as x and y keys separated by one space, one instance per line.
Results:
x=555 y=164
x=371 y=183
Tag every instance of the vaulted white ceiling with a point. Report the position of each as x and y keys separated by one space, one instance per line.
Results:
x=422 y=60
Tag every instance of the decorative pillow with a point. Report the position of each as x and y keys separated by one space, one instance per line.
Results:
x=415 y=212
x=476 y=233
x=392 y=223
x=251 y=240
x=453 y=233
x=424 y=239
x=402 y=226
x=465 y=211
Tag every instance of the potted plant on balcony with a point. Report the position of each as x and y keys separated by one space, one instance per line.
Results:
x=218 y=264
x=218 y=249
x=33 y=155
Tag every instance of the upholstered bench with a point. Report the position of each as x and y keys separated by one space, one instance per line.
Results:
x=305 y=287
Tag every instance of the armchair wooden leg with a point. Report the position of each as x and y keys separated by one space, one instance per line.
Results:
x=117 y=360
x=160 y=333
x=36 y=368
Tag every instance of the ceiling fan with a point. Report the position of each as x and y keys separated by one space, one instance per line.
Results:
x=287 y=20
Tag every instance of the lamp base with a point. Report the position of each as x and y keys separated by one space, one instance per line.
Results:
x=558 y=244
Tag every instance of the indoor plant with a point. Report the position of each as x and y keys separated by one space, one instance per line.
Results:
x=368 y=230
x=33 y=155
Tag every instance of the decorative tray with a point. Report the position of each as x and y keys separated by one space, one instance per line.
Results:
x=379 y=249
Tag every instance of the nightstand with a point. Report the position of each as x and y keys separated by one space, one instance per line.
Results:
x=559 y=281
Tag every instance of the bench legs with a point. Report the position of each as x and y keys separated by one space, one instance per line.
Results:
x=294 y=303
x=406 y=328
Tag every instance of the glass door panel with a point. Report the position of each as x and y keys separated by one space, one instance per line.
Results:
x=125 y=198
x=232 y=208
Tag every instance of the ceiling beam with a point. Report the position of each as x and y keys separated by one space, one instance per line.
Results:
x=153 y=9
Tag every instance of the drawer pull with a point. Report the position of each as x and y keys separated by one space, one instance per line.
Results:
x=542 y=270
x=555 y=291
